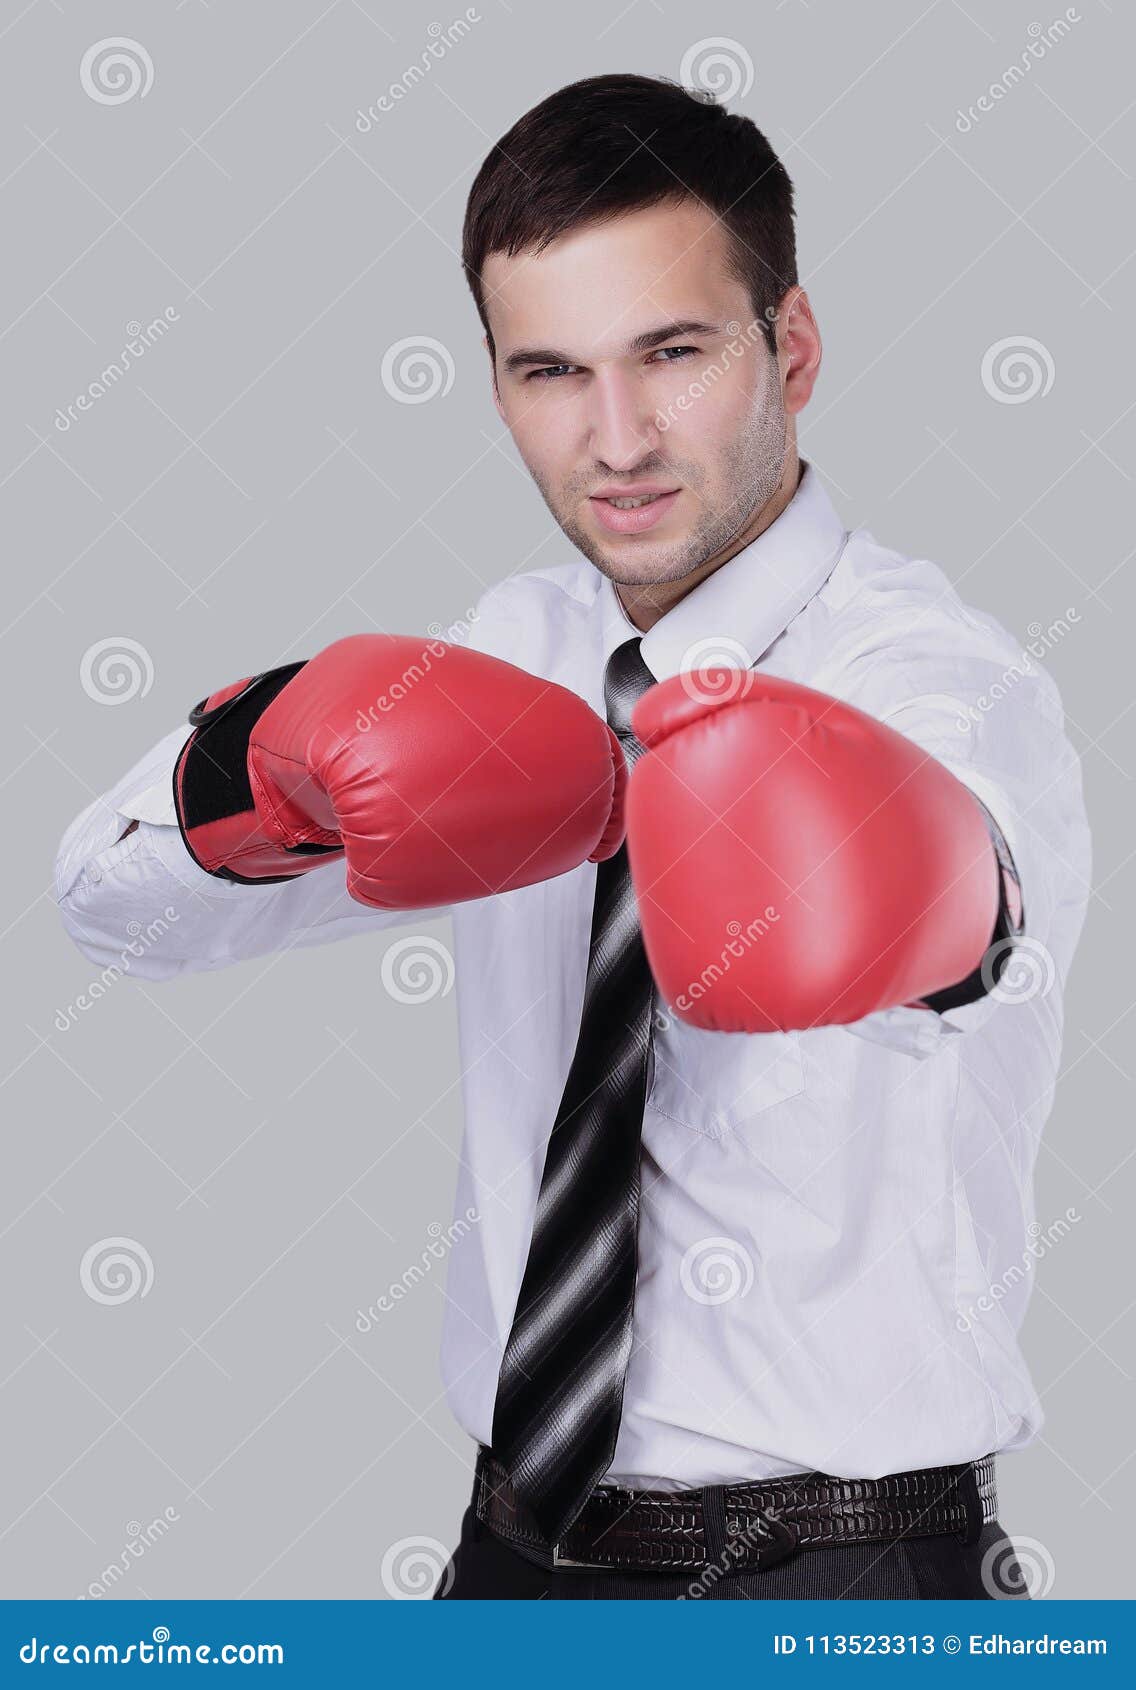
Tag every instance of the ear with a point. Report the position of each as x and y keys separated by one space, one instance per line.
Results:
x=493 y=375
x=799 y=349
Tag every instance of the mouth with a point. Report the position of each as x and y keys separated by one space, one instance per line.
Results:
x=633 y=512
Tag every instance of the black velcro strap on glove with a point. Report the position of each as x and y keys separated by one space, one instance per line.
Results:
x=213 y=796
x=215 y=780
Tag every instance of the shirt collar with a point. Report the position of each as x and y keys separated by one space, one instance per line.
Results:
x=735 y=615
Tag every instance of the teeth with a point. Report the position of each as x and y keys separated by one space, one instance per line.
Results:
x=633 y=504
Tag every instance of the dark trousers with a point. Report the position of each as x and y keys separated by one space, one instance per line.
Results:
x=484 y=1568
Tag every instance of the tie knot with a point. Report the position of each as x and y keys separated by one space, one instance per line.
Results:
x=626 y=679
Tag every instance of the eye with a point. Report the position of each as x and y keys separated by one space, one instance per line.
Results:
x=551 y=372
x=672 y=354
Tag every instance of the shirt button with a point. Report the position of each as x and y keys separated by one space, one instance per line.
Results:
x=94 y=875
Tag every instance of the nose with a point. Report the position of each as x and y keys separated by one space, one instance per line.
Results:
x=622 y=420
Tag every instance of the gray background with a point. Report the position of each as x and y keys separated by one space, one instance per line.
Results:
x=250 y=491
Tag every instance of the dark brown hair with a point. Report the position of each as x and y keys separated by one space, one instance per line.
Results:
x=613 y=144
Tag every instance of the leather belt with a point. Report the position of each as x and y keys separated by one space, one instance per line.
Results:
x=750 y=1526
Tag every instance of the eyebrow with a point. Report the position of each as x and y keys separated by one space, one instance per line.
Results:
x=645 y=342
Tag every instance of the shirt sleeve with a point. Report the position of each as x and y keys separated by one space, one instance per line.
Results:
x=958 y=685
x=138 y=899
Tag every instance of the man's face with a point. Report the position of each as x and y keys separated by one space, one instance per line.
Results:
x=629 y=366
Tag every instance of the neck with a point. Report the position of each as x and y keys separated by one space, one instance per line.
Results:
x=649 y=603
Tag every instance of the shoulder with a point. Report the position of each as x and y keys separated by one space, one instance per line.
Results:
x=903 y=599
x=529 y=616
x=904 y=622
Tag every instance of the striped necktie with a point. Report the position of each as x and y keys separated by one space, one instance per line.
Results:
x=560 y=1389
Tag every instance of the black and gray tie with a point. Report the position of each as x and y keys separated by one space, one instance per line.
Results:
x=560 y=1389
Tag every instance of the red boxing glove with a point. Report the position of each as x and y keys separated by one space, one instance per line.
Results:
x=796 y=862
x=441 y=774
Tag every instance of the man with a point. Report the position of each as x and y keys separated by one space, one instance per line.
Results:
x=751 y=1108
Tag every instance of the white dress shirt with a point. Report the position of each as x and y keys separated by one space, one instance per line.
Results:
x=833 y=1224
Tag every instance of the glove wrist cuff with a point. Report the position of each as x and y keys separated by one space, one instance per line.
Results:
x=220 y=824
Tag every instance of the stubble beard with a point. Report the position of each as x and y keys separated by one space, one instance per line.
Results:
x=752 y=469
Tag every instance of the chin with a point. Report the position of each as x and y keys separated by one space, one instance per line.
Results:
x=636 y=562
x=630 y=567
